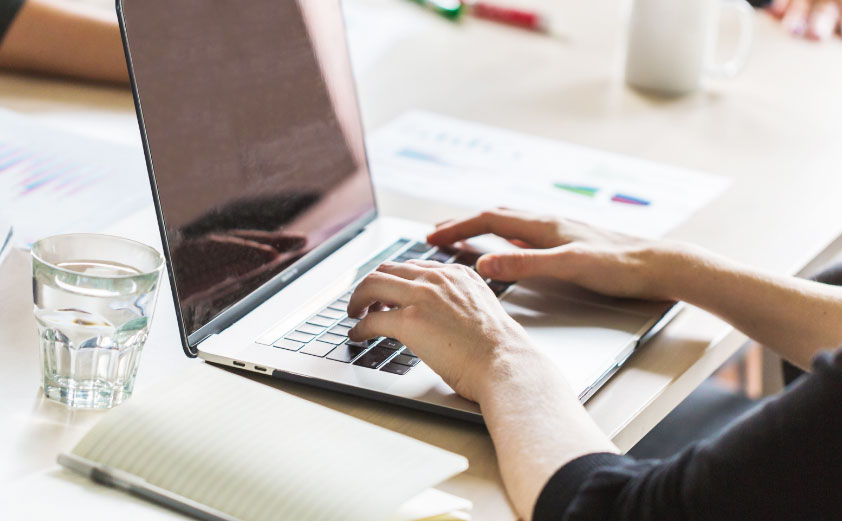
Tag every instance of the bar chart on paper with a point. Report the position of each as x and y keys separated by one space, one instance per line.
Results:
x=470 y=165
x=53 y=181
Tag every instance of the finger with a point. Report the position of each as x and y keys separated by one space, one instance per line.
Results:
x=824 y=18
x=520 y=244
x=404 y=270
x=379 y=287
x=524 y=264
x=778 y=8
x=795 y=19
x=426 y=264
x=508 y=224
x=381 y=323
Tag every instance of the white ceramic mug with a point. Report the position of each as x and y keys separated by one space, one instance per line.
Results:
x=671 y=43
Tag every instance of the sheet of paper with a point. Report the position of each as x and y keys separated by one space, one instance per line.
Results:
x=257 y=453
x=475 y=166
x=56 y=181
x=433 y=505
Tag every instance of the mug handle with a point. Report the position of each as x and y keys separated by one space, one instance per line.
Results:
x=733 y=66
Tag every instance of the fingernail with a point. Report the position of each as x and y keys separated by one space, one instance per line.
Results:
x=822 y=28
x=796 y=27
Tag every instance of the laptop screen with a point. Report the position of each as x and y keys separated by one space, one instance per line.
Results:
x=254 y=137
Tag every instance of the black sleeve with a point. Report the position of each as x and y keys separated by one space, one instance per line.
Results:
x=783 y=460
x=8 y=10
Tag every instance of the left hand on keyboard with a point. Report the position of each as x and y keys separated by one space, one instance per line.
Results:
x=447 y=315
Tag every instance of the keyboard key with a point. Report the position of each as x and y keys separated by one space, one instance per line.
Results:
x=390 y=343
x=411 y=361
x=317 y=348
x=441 y=256
x=401 y=258
x=498 y=286
x=338 y=306
x=332 y=339
x=300 y=337
x=292 y=345
x=321 y=321
x=310 y=329
x=395 y=368
x=409 y=254
x=407 y=352
x=363 y=343
x=374 y=357
x=467 y=258
x=332 y=313
x=345 y=298
x=420 y=247
x=340 y=330
x=346 y=353
x=349 y=322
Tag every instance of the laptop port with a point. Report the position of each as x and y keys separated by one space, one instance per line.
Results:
x=258 y=368
x=239 y=364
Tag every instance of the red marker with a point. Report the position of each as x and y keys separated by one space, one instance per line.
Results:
x=506 y=15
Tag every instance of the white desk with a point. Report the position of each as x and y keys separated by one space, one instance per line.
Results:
x=774 y=131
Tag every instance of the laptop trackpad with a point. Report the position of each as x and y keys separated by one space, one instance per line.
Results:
x=583 y=332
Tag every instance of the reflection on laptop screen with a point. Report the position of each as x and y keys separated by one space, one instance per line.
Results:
x=254 y=136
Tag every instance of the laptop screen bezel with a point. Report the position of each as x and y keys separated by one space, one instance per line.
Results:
x=236 y=311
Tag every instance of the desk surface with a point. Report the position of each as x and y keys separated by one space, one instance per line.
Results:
x=773 y=130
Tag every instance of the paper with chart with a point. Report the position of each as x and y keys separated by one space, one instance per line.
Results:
x=52 y=181
x=475 y=166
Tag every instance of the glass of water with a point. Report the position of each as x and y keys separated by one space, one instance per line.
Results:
x=94 y=297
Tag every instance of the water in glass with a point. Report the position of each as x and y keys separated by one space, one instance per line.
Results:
x=93 y=319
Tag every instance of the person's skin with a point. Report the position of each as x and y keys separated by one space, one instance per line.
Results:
x=814 y=19
x=448 y=316
x=65 y=39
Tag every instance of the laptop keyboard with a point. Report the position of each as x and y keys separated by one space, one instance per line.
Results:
x=325 y=333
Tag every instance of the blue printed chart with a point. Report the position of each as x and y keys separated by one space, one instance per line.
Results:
x=53 y=181
x=470 y=165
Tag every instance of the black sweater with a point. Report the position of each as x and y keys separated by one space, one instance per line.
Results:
x=782 y=460
x=8 y=10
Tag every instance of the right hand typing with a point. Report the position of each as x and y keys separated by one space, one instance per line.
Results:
x=603 y=261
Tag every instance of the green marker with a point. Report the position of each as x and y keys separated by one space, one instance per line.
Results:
x=451 y=9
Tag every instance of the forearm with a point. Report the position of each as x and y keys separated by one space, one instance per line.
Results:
x=537 y=425
x=794 y=317
x=69 y=40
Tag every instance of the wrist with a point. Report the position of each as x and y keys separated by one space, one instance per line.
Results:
x=512 y=369
x=676 y=268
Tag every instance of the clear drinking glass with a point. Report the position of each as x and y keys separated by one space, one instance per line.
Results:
x=94 y=297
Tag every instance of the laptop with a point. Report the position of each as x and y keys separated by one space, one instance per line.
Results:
x=257 y=163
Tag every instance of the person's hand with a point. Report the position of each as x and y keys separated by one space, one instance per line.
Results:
x=448 y=316
x=600 y=260
x=815 y=19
